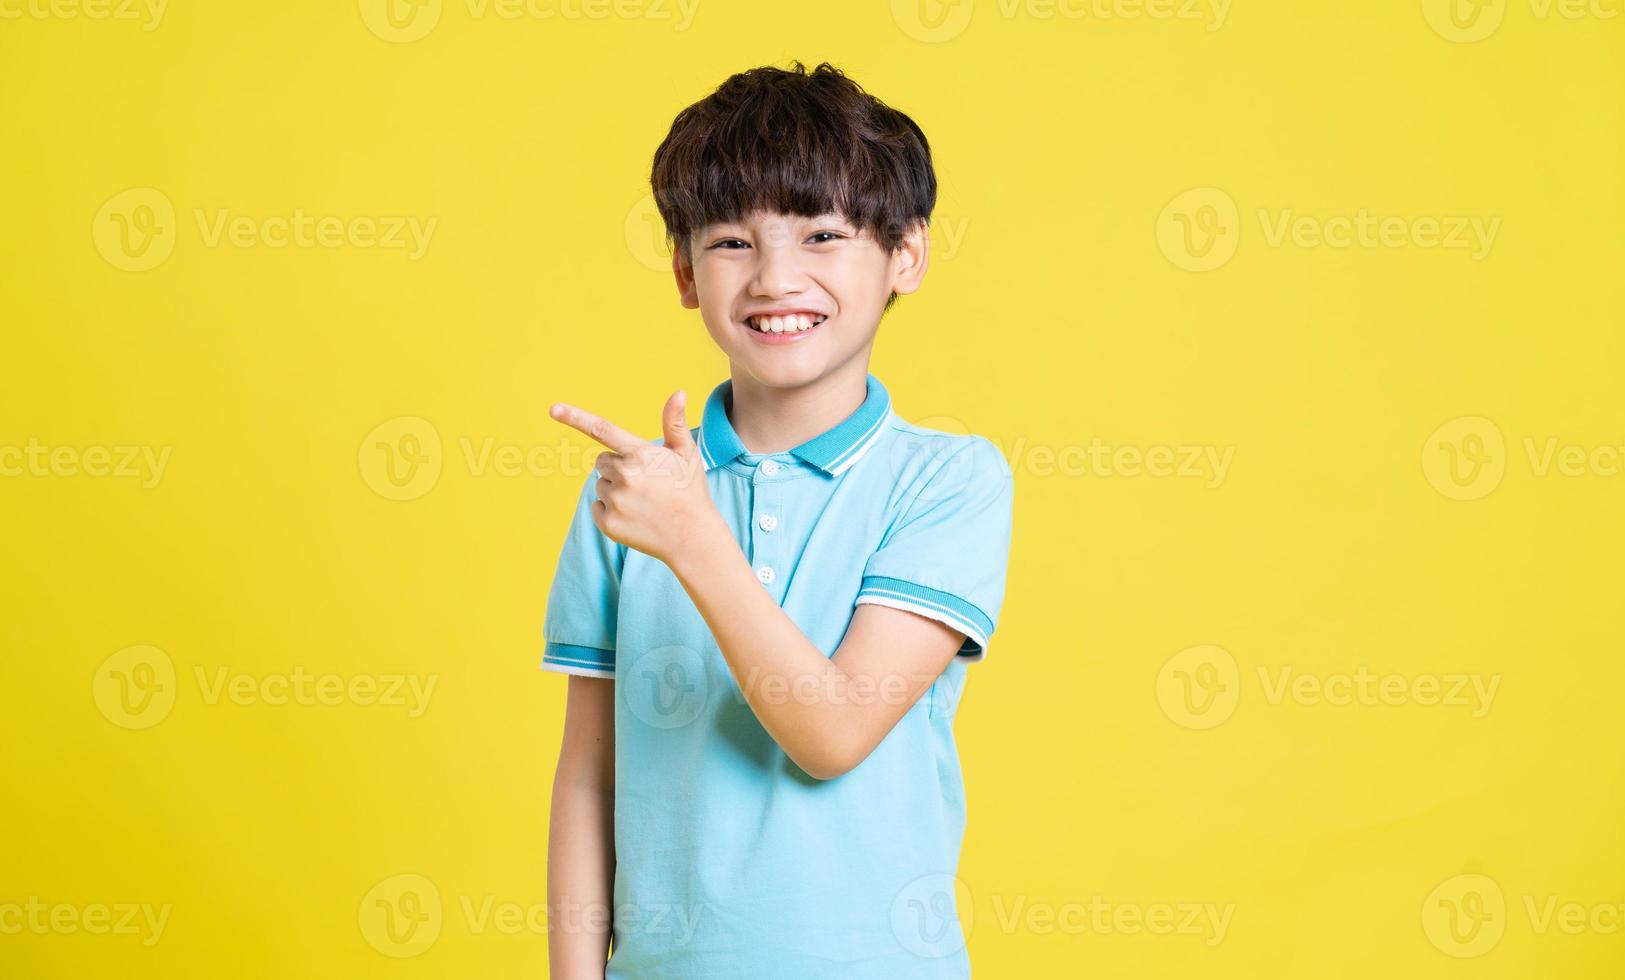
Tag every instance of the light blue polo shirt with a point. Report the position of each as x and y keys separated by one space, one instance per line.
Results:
x=730 y=860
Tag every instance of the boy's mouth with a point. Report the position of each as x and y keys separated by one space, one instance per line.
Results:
x=789 y=324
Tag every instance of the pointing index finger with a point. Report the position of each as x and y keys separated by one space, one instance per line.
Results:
x=598 y=428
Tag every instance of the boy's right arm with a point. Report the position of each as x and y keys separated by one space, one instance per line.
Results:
x=581 y=833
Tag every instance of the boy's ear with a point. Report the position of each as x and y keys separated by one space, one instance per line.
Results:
x=910 y=259
x=684 y=272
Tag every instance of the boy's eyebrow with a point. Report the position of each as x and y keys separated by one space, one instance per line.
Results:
x=828 y=216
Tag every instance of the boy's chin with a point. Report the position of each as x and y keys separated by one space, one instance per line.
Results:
x=781 y=369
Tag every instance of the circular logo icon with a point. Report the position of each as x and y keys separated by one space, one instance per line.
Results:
x=135 y=687
x=932 y=21
x=400 y=459
x=1465 y=458
x=1464 y=21
x=401 y=916
x=1200 y=229
x=931 y=916
x=666 y=687
x=1199 y=686
x=646 y=235
x=135 y=229
x=400 y=21
x=1465 y=916
x=911 y=454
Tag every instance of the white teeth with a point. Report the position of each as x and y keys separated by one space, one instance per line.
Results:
x=794 y=323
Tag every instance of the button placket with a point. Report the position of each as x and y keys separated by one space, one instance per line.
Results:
x=768 y=553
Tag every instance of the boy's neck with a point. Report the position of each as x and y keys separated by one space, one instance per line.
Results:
x=775 y=420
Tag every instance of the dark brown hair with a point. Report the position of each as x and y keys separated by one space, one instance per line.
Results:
x=795 y=142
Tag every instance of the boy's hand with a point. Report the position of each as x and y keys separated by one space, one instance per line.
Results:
x=652 y=498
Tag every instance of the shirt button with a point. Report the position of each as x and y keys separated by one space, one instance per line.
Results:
x=765 y=574
x=767 y=522
x=770 y=467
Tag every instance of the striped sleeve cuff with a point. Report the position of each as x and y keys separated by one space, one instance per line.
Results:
x=934 y=604
x=567 y=658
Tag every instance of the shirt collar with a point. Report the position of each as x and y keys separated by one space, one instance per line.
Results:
x=831 y=451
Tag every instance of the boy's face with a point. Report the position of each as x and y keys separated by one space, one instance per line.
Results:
x=782 y=263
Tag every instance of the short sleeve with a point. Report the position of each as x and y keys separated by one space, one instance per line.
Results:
x=578 y=631
x=945 y=558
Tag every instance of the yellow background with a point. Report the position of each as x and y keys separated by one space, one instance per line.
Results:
x=1056 y=313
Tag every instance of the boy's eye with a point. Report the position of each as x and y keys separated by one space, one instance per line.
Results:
x=816 y=238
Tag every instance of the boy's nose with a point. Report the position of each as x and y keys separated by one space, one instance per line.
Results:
x=777 y=273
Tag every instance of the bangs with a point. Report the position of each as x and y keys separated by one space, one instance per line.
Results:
x=793 y=143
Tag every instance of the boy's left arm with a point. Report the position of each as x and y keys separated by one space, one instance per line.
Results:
x=827 y=713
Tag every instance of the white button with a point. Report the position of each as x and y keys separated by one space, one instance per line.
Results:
x=765 y=574
x=770 y=467
x=767 y=522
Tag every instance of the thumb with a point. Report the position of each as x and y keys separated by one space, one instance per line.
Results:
x=674 y=423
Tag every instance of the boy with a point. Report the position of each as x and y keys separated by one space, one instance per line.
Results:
x=769 y=617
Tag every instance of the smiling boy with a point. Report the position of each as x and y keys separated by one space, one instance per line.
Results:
x=768 y=618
